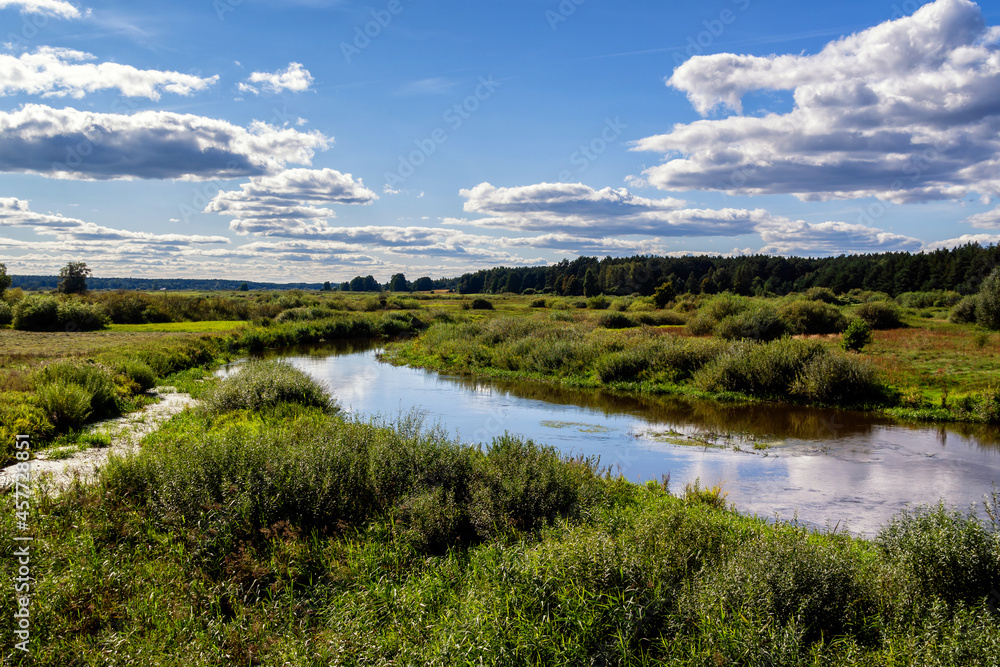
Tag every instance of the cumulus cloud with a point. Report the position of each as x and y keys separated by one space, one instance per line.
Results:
x=964 y=239
x=575 y=208
x=58 y=8
x=16 y=212
x=986 y=220
x=289 y=199
x=796 y=237
x=907 y=111
x=54 y=72
x=85 y=145
x=294 y=78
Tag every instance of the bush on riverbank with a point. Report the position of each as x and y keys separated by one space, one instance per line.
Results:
x=297 y=540
x=262 y=384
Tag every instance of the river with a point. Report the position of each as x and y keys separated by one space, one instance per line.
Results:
x=842 y=469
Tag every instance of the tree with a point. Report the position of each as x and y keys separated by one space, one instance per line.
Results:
x=856 y=336
x=590 y=287
x=327 y=287
x=5 y=280
x=243 y=288
x=398 y=283
x=988 y=301
x=664 y=294
x=423 y=285
x=74 y=278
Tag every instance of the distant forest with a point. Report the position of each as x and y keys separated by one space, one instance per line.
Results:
x=960 y=269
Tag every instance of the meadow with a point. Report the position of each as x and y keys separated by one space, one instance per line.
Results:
x=265 y=526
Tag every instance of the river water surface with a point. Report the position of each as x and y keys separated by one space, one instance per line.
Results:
x=828 y=467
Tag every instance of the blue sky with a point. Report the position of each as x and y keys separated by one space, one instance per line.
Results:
x=322 y=139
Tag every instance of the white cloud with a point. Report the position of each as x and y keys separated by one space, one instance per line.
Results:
x=796 y=237
x=85 y=145
x=295 y=78
x=985 y=220
x=964 y=239
x=906 y=111
x=289 y=199
x=57 y=8
x=54 y=72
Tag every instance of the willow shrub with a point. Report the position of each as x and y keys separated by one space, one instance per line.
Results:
x=258 y=385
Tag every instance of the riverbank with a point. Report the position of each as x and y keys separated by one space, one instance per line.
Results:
x=285 y=531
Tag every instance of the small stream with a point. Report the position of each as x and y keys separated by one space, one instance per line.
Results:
x=827 y=467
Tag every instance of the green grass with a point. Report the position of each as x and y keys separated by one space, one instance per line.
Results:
x=185 y=327
x=306 y=539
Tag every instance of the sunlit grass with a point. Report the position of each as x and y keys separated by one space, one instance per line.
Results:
x=183 y=327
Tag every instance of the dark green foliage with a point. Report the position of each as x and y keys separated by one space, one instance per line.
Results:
x=6 y=313
x=599 y=302
x=622 y=366
x=856 y=336
x=521 y=486
x=397 y=283
x=20 y=417
x=664 y=294
x=481 y=304
x=824 y=294
x=812 y=317
x=880 y=314
x=46 y=313
x=259 y=385
x=537 y=303
x=759 y=369
x=616 y=320
x=590 y=286
x=944 y=554
x=78 y=316
x=988 y=302
x=5 y=279
x=964 y=311
x=839 y=379
x=933 y=299
x=760 y=323
x=73 y=278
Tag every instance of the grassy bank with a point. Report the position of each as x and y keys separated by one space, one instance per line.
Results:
x=266 y=528
x=733 y=348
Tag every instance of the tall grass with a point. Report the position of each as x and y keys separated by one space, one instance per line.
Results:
x=260 y=384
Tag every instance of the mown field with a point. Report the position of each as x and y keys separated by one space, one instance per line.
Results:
x=266 y=527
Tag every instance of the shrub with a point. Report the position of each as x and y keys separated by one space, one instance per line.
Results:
x=6 y=313
x=964 y=311
x=615 y=320
x=537 y=303
x=856 y=336
x=824 y=294
x=988 y=302
x=481 y=304
x=943 y=553
x=880 y=314
x=622 y=366
x=78 y=316
x=137 y=371
x=763 y=369
x=599 y=302
x=263 y=384
x=660 y=318
x=761 y=323
x=36 y=313
x=812 y=317
x=94 y=378
x=67 y=405
x=19 y=415
x=522 y=486
x=435 y=520
x=839 y=379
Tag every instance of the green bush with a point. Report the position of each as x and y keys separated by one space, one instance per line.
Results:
x=6 y=313
x=36 y=313
x=79 y=316
x=812 y=317
x=824 y=294
x=615 y=320
x=20 y=415
x=481 y=304
x=880 y=314
x=94 y=378
x=522 y=486
x=839 y=379
x=599 y=302
x=264 y=384
x=67 y=405
x=624 y=366
x=761 y=323
x=857 y=334
x=988 y=302
x=943 y=553
x=964 y=311
x=759 y=369
x=537 y=303
x=137 y=371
